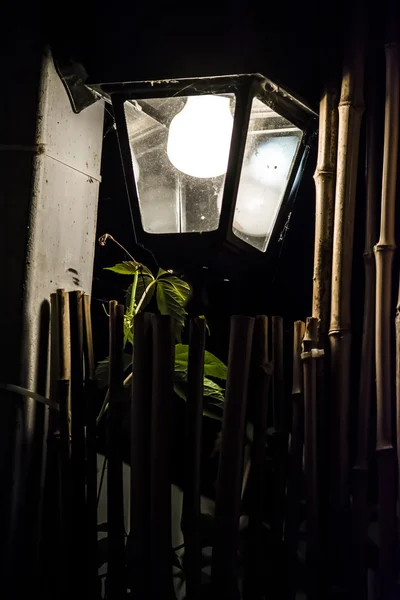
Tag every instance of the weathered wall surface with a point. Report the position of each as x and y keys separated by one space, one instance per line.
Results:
x=49 y=183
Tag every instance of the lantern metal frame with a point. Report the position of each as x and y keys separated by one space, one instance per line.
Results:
x=244 y=88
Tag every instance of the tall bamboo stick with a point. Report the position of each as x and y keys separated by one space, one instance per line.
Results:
x=91 y=454
x=225 y=568
x=139 y=537
x=350 y=114
x=63 y=385
x=279 y=414
x=295 y=458
x=325 y=181
x=313 y=504
x=116 y=584
x=360 y=470
x=78 y=415
x=384 y=251
x=191 y=497
x=278 y=385
x=161 y=417
x=260 y=376
x=58 y=454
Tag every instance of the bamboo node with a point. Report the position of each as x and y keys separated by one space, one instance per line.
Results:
x=357 y=108
x=384 y=248
x=327 y=172
x=314 y=353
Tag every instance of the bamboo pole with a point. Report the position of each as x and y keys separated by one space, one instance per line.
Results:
x=139 y=537
x=325 y=181
x=384 y=251
x=311 y=474
x=91 y=454
x=116 y=584
x=78 y=475
x=350 y=114
x=260 y=376
x=295 y=458
x=58 y=453
x=63 y=388
x=225 y=568
x=191 y=496
x=278 y=385
x=360 y=469
x=279 y=415
x=161 y=417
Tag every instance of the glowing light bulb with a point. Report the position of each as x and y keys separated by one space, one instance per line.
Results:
x=200 y=137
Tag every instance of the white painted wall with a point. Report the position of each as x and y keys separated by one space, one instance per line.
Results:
x=63 y=208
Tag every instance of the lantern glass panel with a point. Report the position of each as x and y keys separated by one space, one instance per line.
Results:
x=271 y=148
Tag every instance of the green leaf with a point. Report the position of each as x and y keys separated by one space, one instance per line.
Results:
x=212 y=414
x=172 y=296
x=207 y=327
x=213 y=406
x=213 y=390
x=213 y=367
x=180 y=389
x=102 y=370
x=128 y=267
x=145 y=278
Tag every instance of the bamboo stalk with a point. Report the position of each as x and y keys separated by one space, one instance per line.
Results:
x=191 y=496
x=116 y=585
x=161 y=416
x=311 y=475
x=295 y=457
x=59 y=430
x=278 y=386
x=279 y=415
x=350 y=114
x=325 y=181
x=78 y=475
x=139 y=537
x=62 y=373
x=91 y=454
x=260 y=376
x=397 y=329
x=64 y=399
x=384 y=251
x=360 y=469
x=229 y=481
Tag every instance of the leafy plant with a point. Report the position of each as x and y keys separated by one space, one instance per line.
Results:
x=171 y=294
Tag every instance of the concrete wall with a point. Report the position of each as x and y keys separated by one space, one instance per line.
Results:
x=49 y=182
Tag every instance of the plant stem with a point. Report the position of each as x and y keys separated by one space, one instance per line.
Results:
x=103 y=240
x=144 y=295
x=133 y=293
x=104 y=407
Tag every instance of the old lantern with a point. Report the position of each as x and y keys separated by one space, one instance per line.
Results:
x=210 y=161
